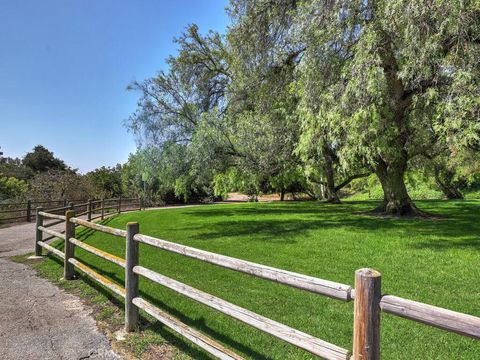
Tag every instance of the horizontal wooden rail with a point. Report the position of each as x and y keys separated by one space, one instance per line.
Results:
x=93 y=250
x=302 y=340
x=63 y=208
x=102 y=228
x=51 y=216
x=12 y=210
x=80 y=205
x=53 y=236
x=51 y=249
x=98 y=216
x=14 y=204
x=117 y=289
x=52 y=232
x=453 y=321
x=13 y=218
x=304 y=282
x=46 y=201
x=194 y=336
x=53 y=223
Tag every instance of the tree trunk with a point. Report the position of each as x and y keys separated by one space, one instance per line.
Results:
x=449 y=189
x=396 y=200
x=330 y=191
x=282 y=195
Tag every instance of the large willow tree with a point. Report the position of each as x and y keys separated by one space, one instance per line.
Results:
x=405 y=70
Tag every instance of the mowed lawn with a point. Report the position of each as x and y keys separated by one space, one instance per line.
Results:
x=433 y=261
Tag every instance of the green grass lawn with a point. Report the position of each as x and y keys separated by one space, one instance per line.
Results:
x=433 y=261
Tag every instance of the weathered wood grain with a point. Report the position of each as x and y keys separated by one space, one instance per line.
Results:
x=102 y=228
x=38 y=232
x=51 y=249
x=52 y=216
x=12 y=210
x=52 y=236
x=117 y=289
x=96 y=217
x=209 y=345
x=68 y=272
x=53 y=223
x=304 y=282
x=300 y=339
x=52 y=232
x=453 y=321
x=29 y=211
x=89 y=210
x=366 y=328
x=93 y=250
x=131 y=279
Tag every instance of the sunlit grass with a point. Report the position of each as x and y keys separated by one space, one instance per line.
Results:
x=434 y=261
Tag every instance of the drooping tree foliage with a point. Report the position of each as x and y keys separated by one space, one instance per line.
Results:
x=408 y=78
x=313 y=94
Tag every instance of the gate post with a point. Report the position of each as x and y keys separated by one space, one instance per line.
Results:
x=89 y=210
x=366 y=331
x=68 y=269
x=38 y=233
x=131 y=279
x=29 y=210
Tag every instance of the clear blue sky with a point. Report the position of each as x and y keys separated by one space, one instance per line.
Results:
x=65 y=66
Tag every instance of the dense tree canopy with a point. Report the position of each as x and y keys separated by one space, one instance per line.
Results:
x=41 y=160
x=314 y=94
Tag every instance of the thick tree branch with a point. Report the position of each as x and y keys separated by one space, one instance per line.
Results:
x=350 y=179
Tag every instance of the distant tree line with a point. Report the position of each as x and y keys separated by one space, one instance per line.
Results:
x=317 y=97
x=39 y=175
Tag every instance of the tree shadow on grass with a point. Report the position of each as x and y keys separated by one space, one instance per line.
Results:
x=201 y=325
x=85 y=232
x=286 y=231
x=157 y=326
x=273 y=224
x=443 y=245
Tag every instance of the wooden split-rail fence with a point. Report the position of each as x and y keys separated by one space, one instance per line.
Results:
x=369 y=302
x=25 y=211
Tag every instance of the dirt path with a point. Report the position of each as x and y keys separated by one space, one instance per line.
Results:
x=19 y=239
x=37 y=319
x=40 y=321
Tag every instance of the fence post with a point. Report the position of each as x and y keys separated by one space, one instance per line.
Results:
x=70 y=204
x=119 y=204
x=139 y=203
x=29 y=211
x=68 y=271
x=89 y=210
x=38 y=233
x=366 y=331
x=103 y=209
x=64 y=202
x=131 y=279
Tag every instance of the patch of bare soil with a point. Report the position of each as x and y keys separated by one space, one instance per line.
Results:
x=156 y=352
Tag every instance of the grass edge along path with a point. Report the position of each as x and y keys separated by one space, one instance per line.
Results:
x=152 y=341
